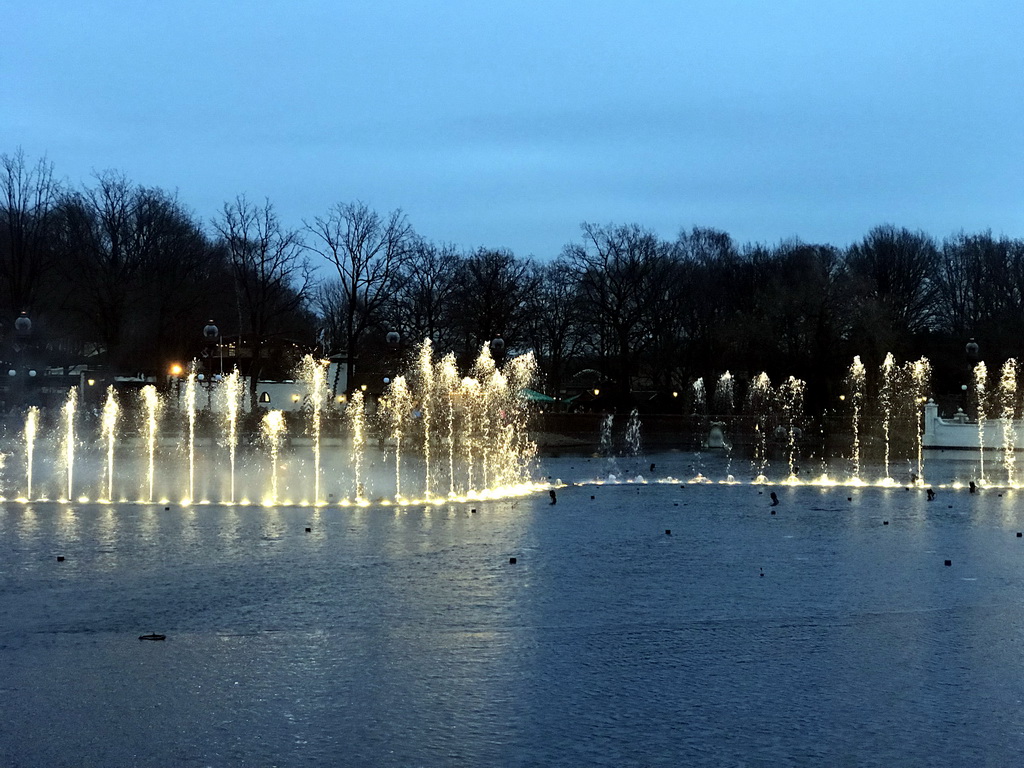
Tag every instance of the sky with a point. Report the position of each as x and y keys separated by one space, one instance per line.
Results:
x=508 y=124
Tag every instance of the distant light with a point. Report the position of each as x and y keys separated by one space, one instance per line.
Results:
x=12 y=372
x=842 y=397
x=175 y=370
x=597 y=392
x=91 y=382
x=963 y=387
x=295 y=398
x=363 y=387
x=675 y=394
x=31 y=373
x=387 y=380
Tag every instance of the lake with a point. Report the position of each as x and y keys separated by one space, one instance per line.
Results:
x=828 y=633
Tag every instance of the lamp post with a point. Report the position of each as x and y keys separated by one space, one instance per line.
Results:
x=212 y=334
x=22 y=335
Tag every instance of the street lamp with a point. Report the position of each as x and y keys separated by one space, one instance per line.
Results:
x=971 y=348
x=212 y=334
x=23 y=326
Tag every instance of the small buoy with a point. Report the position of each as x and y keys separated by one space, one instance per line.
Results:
x=592 y=498
x=152 y=636
x=60 y=558
x=948 y=562
x=762 y=573
x=773 y=511
x=849 y=498
x=1019 y=534
x=511 y=561
x=668 y=531
x=167 y=509
x=473 y=511
x=675 y=504
x=308 y=530
x=885 y=522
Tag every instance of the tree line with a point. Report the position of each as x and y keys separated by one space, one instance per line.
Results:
x=125 y=276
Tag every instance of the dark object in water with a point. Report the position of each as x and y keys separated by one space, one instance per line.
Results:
x=152 y=636
x=554 y=498
x=775 y=499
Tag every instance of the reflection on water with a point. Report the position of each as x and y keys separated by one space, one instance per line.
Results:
x=402 y=635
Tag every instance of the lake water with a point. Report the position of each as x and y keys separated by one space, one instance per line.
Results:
x=404 y=637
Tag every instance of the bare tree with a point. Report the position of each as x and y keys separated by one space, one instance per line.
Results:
x=367 y=251
x=555 y=321
x=272 y=277
x=619 y=271
x=28 y=196
x=424 y=297
x=894 y=274
x=490 y=299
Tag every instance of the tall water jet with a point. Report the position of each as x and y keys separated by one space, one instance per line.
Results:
x=108 y=429
x=31 y=428
x=447 y=376
x=356 y=416
x=633 y=433
x=980 y=394
x=190 y=414
x=484 y=371
x=151 y=413
x=520 y=373
x=724 y=394
x=397 y=407
x=792 y=406
x=273 y=430
x=314 y=374
x=920 y=372
x=69 y=408
x=1008 y=403
x=887 y=397
x=759 y=403
x=232 y=389
x=857 y=378
x=472 y=397
x=425 y=375
x=700 y=397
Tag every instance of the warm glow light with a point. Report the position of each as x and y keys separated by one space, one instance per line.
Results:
x=675 y=394
x=92 y=382
x=176 y=370
x=597 y=392
x=295 y=398
x=363 y=387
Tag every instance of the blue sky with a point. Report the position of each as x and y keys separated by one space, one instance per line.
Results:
x=508 y=124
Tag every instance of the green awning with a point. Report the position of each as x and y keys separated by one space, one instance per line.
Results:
x=537 y=397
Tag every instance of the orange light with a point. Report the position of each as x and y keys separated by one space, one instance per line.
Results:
x=176 y=370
